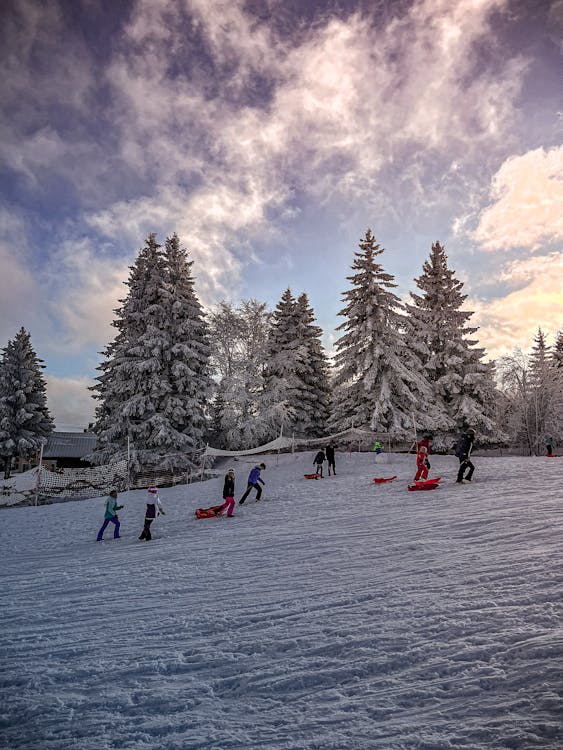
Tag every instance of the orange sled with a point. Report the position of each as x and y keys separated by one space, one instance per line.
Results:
x=382 y=480
x=423 y=486
x=208 y=512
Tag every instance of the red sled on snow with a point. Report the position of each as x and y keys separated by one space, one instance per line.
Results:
x=310 y=476
x=208 y=512
x=425 y=484
x=382 y=480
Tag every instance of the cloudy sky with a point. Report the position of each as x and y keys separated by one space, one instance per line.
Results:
x=269 y=134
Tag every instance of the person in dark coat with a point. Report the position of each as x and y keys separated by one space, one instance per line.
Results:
x=253 y=479
x=228 y=494
x=320 y=458
x=329 y=451
x=464 y=447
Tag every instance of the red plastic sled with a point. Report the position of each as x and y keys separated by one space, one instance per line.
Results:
x=208 y=512
x=423 y=486
x=310 y=476
x=382 y=480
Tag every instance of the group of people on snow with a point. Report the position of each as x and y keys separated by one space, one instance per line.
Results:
x=463 y=450
x=325 y=455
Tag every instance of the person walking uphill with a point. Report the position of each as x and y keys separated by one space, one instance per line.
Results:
x=154 y=509
x=463 y=449
x=228 y=494
x=319 y=460
x=110 y=516
x=329 y=451
x=253 y=479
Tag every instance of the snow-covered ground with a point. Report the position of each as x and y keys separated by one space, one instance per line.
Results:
x=335 y=615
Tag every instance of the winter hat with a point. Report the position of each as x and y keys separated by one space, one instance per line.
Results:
x=153 y=490
x=262 y=466
x=230 y=471
x=422 y=449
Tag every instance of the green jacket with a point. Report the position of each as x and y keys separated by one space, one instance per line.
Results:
x=112 y=507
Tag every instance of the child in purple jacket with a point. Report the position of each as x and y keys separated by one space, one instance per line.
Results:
x=253 y=479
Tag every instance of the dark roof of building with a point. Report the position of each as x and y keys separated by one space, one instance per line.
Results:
x=69 y=445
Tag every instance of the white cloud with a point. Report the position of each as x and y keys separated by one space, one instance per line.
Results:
x=70 y=402
x=527 y=208
x=85 y=286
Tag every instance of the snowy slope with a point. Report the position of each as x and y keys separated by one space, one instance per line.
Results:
x=335 y=614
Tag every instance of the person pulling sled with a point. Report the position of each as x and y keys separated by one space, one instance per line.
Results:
x=228 y=494
x=320 y=458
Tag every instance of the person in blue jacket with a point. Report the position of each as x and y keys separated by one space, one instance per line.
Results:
x=110 y=516
x=253 y=479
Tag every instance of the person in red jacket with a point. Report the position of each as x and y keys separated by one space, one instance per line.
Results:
x=421 y=466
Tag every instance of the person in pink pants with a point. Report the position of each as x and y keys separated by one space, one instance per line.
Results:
x=228 y=494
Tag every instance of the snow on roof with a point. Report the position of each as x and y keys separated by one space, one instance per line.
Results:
x=69 y=444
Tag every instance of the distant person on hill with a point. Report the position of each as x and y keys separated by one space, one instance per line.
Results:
x=320 y=458
x=253 y=479
x=154 y=509
x=549 y=446
x=228 y=494
x=463 y=449
x=378 y=448
x=421 y=467
x=110 y=516
x=329 y=451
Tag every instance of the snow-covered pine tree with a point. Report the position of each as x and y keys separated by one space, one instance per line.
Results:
x=186 y=405
x=25 y=421
x=238 y=338
x=463 y=386
x=154 y=382
x=557 y=351
x=286 y=352
x=377 y=385
x=314 y=390
x=546 y=382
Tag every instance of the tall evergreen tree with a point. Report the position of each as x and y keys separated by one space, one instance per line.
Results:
x=286 y=352
x=314 y=390
x=377 y=385
x=25 y=421
x=557 y=352
x=154 y=383
x=463 y=385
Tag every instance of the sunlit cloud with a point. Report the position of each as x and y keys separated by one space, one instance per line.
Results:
x=527 y=207
x=513 y=319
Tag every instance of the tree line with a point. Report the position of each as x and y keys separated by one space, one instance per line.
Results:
x=175 y=377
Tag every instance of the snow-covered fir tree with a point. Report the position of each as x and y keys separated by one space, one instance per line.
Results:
x=377 y=383
x=25 y=421
x=154 y=382
x=463 y=385
x=557 y=351
x=286 y=353
x=546 y=381
x=238 y=338
x=313 y=410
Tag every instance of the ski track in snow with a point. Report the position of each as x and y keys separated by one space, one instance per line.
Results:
x=335 y=614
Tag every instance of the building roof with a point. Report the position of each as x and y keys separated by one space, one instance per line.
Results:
x=69 y=444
